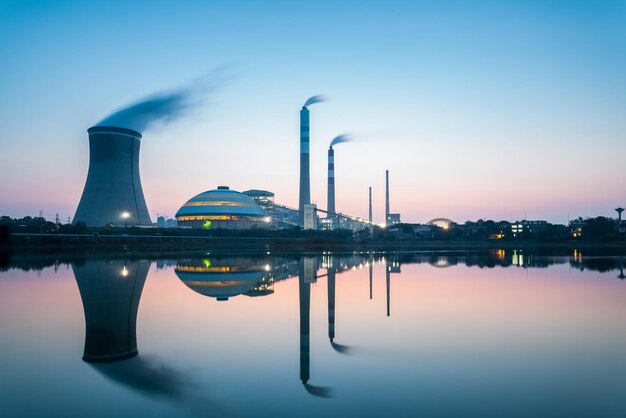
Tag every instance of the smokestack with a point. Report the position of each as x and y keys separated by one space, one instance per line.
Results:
x=331 y=181
x=304 y=290
x=110 y=292
x=388 y=284
x=386 y=196
x=113 y=193
x=331 y=303
x=370 y=214
x=305 y=172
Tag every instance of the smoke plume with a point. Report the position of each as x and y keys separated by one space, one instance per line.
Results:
x=166 y=106
x=313 y=100
x=340 y=139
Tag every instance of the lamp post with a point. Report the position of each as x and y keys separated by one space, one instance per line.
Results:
x=125 y=215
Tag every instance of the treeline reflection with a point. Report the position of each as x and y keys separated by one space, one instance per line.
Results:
x=282 y=268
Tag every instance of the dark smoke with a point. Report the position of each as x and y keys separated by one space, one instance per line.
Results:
x=314 y=99
x=166 y=106
x=319 y=391
x=340 y=348
x=340 y=139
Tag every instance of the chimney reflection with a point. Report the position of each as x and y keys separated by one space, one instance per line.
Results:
x=110 y=292
x=307 y=274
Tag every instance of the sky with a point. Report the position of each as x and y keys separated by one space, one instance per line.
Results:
x=483 y=109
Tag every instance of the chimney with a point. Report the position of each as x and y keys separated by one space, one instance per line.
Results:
x=331 y=181
x=305 y=172
x=386 y=196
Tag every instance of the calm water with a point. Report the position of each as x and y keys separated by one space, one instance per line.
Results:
x=433 y=334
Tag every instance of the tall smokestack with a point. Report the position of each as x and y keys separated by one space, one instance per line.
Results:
x=388 y=284
x=386 y=196
x=304 y=290
x=113 y=193
x=331 y=303
x=305 y=172
x=331 y=181
x=370 y=214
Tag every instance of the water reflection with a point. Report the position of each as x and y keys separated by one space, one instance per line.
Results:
x=111 y=291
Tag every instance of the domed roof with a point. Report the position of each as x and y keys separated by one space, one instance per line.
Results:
x=221 y=201
x=220 y=281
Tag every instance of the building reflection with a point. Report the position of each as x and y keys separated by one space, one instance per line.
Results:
x=307 y=274
x=224 y=278
x=110 y=292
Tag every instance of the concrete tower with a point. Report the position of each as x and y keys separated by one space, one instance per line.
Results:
x=331 y=185
x=370 y=212
x=113 y=193
x=386 y=196
x=305 y=172
x=110 y=292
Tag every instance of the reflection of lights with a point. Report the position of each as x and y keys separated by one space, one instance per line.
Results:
x=124 y=272
x=267 y=267
x=267 y=219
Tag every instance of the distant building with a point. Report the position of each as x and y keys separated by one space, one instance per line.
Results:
x=310 y=216
x=163 y=222
x=265 y=200
x=393 y=218
x=528 y=228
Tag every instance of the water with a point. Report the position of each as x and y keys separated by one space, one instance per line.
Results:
x=503 y=333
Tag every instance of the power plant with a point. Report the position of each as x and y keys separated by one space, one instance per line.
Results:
x=113 y=194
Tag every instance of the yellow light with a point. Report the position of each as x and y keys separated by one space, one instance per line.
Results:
x=446 y=226
x=125 y=215
x=124 y=272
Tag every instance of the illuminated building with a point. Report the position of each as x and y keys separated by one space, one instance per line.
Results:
x=222 y=208
x=310 y=216
x=224 y=278
x=265 y=200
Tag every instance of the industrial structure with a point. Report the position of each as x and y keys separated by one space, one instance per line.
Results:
x=223 y=278
x=110 y=292
x=390 y=218
x=305 y=171
x=331 y=218
x=113 y=193
x=222 y=208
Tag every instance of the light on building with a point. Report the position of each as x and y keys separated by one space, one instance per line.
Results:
x=124 y=272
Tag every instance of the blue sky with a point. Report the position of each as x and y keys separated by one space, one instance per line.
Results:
x=479 y=109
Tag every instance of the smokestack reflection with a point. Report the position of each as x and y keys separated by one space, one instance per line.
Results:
x=307 y=272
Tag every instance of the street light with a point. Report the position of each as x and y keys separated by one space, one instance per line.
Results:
x=125 y=215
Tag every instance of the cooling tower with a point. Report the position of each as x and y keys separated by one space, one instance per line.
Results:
x=113 y=193
x=331 y=181
x=305 y=174
x=110 y=292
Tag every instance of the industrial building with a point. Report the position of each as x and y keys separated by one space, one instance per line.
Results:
x=224 y=278
x=113 y=193
x=222 y=208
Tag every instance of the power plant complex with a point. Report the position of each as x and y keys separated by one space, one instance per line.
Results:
x=113 y=195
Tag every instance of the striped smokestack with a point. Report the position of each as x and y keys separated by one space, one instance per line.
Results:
x=370 y=214
x=331 y=180
x=386 y=196
x=305 y=173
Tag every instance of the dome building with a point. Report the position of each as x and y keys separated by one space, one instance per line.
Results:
x=222 y=208
x=223 y=278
